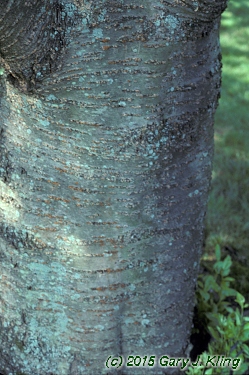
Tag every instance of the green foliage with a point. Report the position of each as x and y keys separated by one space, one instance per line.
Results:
x=228 y=208
x=221 y=309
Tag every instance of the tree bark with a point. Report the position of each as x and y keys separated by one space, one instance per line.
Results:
x=106 y=143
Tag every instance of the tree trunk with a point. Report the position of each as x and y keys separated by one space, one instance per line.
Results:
x=106 y=142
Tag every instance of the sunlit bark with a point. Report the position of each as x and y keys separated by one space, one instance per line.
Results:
x=106 y=146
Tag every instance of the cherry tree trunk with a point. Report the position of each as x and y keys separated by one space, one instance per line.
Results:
x=106 y=144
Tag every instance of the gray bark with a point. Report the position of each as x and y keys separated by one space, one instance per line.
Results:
x=106 y=142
